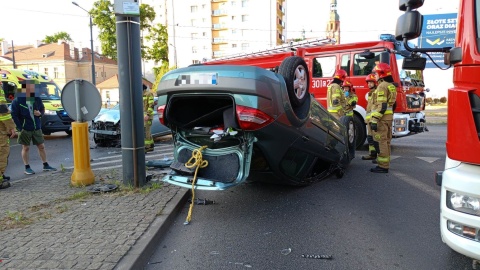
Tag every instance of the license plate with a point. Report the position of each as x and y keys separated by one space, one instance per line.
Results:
x=416 y=103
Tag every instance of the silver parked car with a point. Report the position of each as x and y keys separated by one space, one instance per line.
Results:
x=106 y=127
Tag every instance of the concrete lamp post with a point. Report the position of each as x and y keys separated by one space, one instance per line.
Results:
x=91 y=43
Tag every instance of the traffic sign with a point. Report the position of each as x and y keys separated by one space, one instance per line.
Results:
x=81 y=100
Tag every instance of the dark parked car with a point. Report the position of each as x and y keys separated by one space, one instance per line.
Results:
x=254 y=124
x=106 y=127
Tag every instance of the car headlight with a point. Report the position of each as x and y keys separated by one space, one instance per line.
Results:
x=401 y=122
x=463 y=203
x=50 y=112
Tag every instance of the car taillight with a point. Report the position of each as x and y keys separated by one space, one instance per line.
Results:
x=252 y=119
x=161 y=110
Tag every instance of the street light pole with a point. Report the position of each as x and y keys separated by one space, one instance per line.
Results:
x=91 y=43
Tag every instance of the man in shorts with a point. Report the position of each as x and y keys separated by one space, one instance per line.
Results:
x=27 y=111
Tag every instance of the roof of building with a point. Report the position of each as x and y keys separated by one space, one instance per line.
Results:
x=52 y=51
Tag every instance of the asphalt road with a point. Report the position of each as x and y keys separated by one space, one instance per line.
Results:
x=363 y=221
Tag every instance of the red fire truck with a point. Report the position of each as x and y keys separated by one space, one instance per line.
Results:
x=358 y=60
x=460 y=181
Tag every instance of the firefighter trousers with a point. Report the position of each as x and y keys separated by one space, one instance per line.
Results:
x=4 y=152
x=382 y=138
x=148 y=134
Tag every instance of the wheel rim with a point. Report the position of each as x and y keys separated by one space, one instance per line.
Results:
x=351 y=132
x=300 y=83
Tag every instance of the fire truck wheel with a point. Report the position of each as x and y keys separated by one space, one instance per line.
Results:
x=349 y=124
x=295 y=72
x=360 y=129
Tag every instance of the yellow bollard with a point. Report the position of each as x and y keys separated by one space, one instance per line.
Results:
x=82 y=172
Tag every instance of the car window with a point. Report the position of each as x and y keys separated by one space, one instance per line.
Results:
x=362 y=66
x=324 y=66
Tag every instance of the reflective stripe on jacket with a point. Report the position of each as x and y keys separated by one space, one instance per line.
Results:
x=335 y=92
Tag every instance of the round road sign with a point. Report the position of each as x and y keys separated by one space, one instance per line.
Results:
x=81 y=100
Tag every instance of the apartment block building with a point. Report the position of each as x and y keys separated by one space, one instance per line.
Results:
x=207 y=29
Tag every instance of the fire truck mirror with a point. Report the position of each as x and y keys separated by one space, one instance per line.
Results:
x=409 y=25
x=414 y=63
x=385 y=58
x=453 y=56
x=367 y=54
x=413 y=4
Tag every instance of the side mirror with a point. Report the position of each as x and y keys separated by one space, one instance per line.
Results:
x=427 y=90
x=453 y=57
x=367 y=55
x=409 y=25
x=413 y=4
x=385 y=57
x=414 y=63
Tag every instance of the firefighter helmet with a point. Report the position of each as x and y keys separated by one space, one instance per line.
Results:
x=340 y=74
x=383 y=70
x=349 y=85
x=371 y=78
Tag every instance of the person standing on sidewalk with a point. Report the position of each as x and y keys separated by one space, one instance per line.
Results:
x=335 y=96
x=148 y=104
x=27 y=111
x=7 y=131
x=382 y=116
x=372 y=85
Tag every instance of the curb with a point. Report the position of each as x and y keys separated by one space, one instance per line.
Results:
x=137 y=257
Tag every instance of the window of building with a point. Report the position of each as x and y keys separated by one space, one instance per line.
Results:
x=204 y=34
x=324 y=66
x=195 y=62
x=194 y=49
x=204 y=20
x=234 y=31
x=193 y=22
x=203 y=6
x=107 y=94
x=194 y=35
x=55 y=72
x=233 y=18
x=96 y=74
x=244 y=3
x=45 y=70
x=193 y=9
x=245 y=46
x=244 y=18
x=234 y=45
x=234 y=3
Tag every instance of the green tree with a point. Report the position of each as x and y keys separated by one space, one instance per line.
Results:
x=56 y=37
x=159 y=72
x=159 y=50
x=105 y=20
x=443 y=100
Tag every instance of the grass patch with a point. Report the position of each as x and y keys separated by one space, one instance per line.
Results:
x=14 y=220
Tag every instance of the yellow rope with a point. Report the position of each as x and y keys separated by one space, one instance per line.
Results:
x=196 y=160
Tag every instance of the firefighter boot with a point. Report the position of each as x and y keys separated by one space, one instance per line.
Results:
x=379 y=170
x=369 y=157
x=4 y=184
x=148 y=148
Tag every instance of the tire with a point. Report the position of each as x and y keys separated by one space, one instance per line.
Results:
x=349 y=124
x=69 y=132
x=98 y=142
x=295 y=72
x=360 y=130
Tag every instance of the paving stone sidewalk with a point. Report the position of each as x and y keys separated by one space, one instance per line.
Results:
x=47 y=224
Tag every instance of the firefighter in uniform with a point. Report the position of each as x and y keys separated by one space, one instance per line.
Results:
x=351 y=98
x=335 y=96
x=372 y=85
x=382 y=116
x=148 y=103
x=7 y=131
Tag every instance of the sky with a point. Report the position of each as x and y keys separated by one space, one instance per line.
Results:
x=25 y=21
x=360 y=20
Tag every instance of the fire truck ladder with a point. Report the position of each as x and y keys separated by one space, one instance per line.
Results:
x=279 y=49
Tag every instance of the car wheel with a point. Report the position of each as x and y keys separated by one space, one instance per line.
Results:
x=349 y=124
x=361 y=130
x=69 y=132
x=295 y=72
x=46 y=133
x=97 y=141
